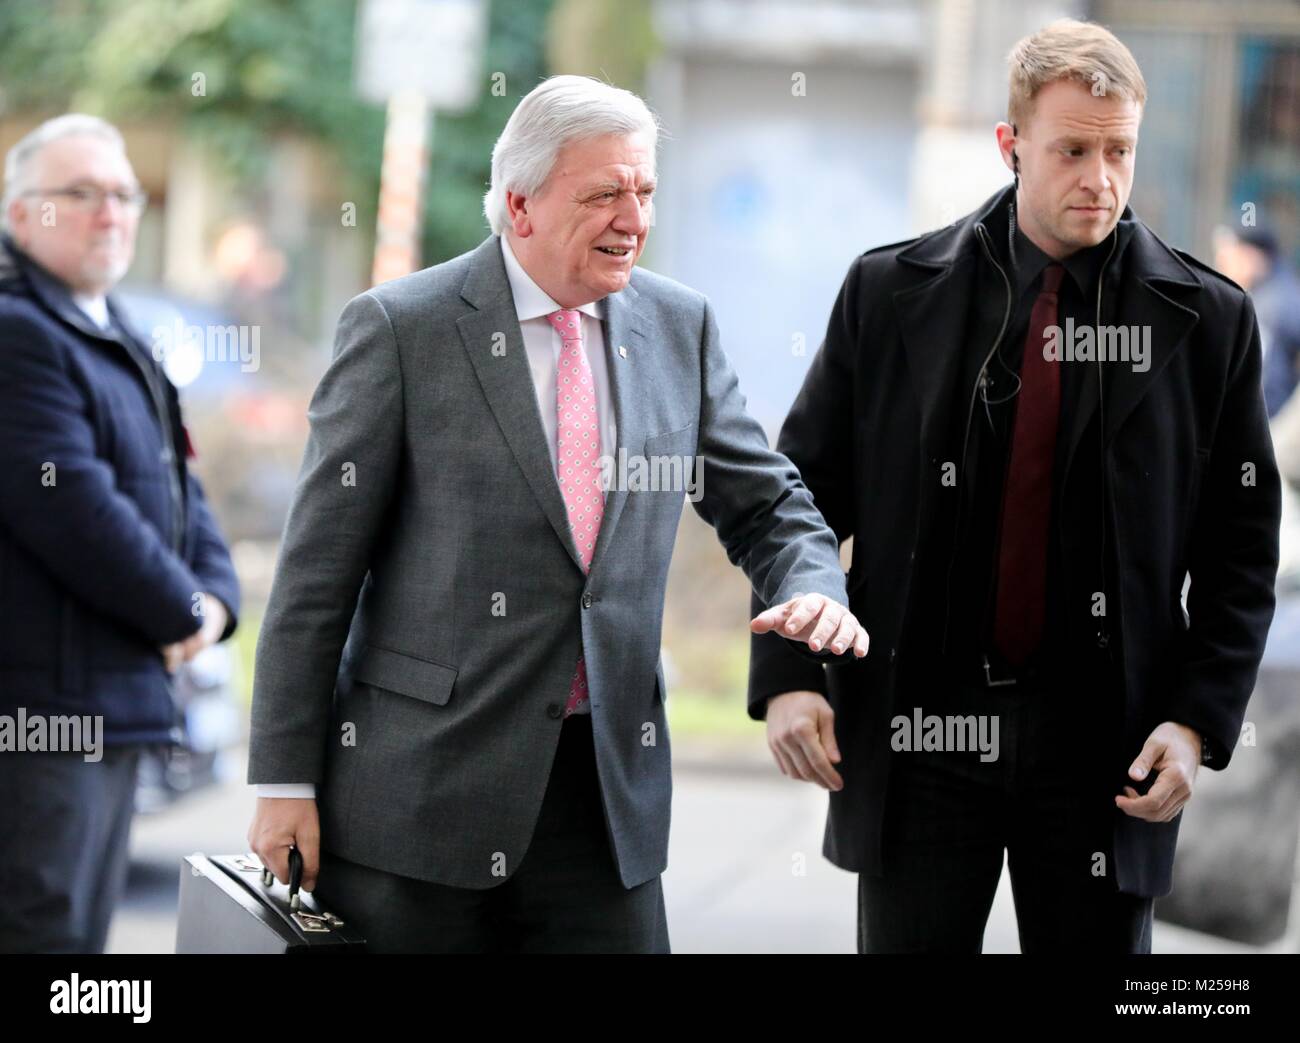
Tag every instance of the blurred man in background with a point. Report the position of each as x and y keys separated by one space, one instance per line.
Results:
x=1025 y=500
x=1250 y=257
x=114 y=571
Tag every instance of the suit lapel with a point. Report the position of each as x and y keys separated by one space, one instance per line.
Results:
x=624 y=328
x=507 y=381
x=508 y=386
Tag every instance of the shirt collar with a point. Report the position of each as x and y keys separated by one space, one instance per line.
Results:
x=96 y=309
x=1083 y=266
x=531 y=301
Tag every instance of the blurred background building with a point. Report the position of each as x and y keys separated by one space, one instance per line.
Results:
x=798 y=134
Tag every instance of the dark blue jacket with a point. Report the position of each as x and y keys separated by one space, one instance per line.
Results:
x=1277 y=305
x=105 y=536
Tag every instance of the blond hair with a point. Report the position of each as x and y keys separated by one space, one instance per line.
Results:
x=1084 y=52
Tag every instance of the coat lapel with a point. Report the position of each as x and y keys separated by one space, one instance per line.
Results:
x=1144 y=305
x=931 y=319
x=1148 y=305
x=932 y=315
x=57 y=300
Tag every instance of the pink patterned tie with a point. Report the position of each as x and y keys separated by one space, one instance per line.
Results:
x=578 y=453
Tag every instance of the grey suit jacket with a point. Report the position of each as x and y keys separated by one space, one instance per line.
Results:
x=429 y=605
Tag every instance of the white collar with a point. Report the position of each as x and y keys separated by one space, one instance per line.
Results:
x=96 y=308
x=531 y=301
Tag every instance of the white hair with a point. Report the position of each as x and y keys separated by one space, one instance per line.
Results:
x=18 y=161
x=557 y=111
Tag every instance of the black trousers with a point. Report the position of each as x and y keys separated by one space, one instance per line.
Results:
x=566 y=895
x=1047 y=801
x=65 y=823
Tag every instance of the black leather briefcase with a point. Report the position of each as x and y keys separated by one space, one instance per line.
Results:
x=231 y=904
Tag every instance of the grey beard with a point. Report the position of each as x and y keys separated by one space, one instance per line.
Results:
x=104 y=276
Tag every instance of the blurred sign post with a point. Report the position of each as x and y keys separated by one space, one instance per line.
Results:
x=414 y=56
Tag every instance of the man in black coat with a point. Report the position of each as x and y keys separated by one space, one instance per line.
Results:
x=1035 y=424
x=112 y=569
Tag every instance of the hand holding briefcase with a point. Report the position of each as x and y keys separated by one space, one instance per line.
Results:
x=232 y=904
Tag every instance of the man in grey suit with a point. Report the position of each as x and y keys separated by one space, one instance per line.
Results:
x=459 y=664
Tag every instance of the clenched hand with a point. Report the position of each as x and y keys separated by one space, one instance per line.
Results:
x=281 y=823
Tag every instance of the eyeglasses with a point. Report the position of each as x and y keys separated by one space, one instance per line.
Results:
x=87 y=199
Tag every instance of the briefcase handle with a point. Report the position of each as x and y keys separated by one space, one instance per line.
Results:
x=295 y=878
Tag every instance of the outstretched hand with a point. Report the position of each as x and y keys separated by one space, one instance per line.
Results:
x=816 y=620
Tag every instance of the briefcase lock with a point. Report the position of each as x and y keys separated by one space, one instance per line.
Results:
x=316 y=924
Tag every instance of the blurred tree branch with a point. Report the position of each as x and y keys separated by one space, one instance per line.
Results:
x=268 y=68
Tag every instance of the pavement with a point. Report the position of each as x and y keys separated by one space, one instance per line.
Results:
x=745 y=870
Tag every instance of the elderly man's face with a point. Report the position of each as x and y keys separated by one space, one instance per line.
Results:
x=579 y=237
x=88 y=247
x=1076 y=165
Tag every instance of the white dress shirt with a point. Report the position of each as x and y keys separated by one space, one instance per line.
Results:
x=542 y=344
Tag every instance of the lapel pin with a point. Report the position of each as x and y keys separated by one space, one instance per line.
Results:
x=622 y=351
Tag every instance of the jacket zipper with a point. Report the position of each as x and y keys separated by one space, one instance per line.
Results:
x=169 y=448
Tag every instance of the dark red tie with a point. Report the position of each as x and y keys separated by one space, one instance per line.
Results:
x=1027 y=492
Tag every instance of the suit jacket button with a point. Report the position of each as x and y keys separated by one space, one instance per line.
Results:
x=554 y=710
x=586 y=599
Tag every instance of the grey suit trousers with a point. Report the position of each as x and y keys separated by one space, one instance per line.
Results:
x=565 y=897
x=65 y=824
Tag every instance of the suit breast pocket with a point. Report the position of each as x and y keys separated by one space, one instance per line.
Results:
x=681 y=439
x=404 y=674
x=668 y=465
